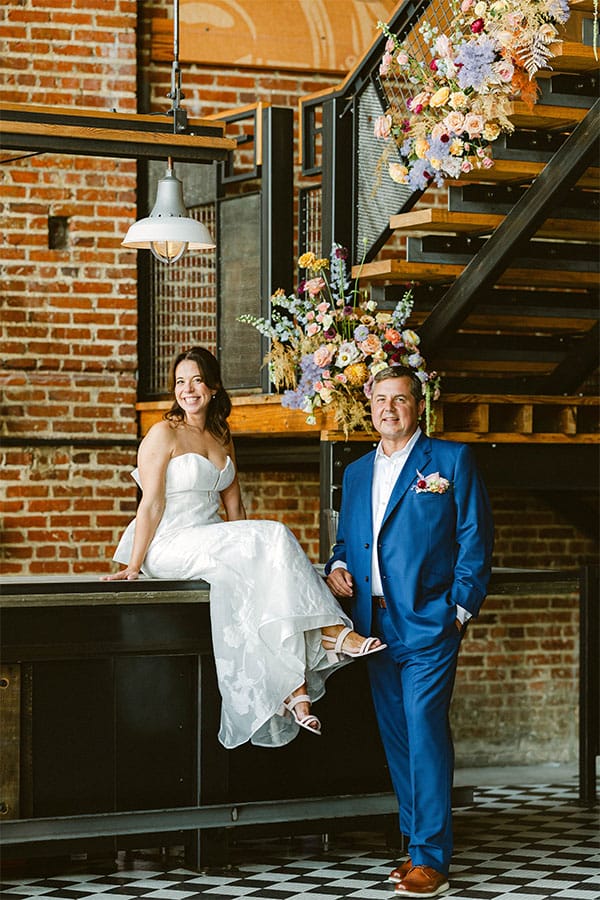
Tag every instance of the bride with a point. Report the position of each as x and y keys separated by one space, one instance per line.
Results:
x=277 y=630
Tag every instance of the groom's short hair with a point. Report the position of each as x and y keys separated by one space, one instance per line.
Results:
x=416 y=385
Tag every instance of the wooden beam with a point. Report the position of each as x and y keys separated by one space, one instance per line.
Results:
x=89 y=141
x=467 y=417
x=577 y=365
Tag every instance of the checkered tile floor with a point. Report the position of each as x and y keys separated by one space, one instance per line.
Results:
x=528 y=843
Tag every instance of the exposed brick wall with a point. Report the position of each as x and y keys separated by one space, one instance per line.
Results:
x=516 y=695
x=291 y=497
x=69 y=302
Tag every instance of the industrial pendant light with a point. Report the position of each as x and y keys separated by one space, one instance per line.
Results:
x=168 y=231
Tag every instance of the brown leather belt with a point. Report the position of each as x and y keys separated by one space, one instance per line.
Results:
x=379 y=601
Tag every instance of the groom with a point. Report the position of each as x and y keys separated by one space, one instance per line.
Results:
x=413 y=553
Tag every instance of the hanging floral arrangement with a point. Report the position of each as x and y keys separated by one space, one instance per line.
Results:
x=445 y=112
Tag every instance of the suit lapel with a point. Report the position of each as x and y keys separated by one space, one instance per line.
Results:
x=419 y=458
x=364 y=492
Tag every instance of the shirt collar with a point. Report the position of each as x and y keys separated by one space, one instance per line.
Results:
x=399 y=454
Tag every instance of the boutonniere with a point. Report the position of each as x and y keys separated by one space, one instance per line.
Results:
x=431 y=484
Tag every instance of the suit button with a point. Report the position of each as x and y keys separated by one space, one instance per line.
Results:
x=366 y=578
x=366 y=546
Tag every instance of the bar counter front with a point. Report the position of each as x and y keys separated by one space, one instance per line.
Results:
x=110 y=718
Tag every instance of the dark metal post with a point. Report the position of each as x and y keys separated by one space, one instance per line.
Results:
x=337 y=222
x=589 y=682
x=277 y=218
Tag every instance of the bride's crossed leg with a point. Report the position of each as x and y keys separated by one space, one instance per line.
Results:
x=339 y=641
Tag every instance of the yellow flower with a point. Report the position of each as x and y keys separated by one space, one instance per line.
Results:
x=436 y=163
x=398 y=173
x=491 y=130
x=458 y=100
x=440 y=97
x=421 y=148
x=456 y=147
x=319 y=264
x=356 y=373
x=307 y=261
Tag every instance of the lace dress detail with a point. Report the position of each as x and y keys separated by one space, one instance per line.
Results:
x=267 y=603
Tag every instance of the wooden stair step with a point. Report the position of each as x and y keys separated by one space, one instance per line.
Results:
x=522 y=170
x=399 y=270
x=544 y=115
x=434 y=220
x=570 y=56
x=508 y=323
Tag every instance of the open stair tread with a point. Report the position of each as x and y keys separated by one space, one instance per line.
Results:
x=437 y=220
x=545 y=115
x=522 y=170
x=399 y=270
x=571 y=56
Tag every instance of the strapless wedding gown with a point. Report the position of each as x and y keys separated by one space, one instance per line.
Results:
x=267 y=603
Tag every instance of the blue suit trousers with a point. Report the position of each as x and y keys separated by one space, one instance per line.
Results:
x=412 y=690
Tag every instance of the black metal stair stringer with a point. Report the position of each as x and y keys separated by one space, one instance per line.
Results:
x=560 y=174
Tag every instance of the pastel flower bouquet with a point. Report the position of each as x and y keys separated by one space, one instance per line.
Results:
x=328 y=341
x=445 y=112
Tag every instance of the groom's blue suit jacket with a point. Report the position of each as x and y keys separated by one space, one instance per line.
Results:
x=434 y=549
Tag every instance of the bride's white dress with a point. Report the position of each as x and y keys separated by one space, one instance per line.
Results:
x=267 y=602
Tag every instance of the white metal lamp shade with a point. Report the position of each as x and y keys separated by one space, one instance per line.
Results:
x=168 y=231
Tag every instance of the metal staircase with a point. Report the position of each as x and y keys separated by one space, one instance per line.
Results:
x=504 y=261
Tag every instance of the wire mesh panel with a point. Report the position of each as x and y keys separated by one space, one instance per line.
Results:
x=378 y=197
x=310 y=220
x=396 y=89
x=240 y=346
x=183 y=302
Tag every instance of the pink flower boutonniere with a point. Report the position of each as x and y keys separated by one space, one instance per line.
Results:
x=431 y=484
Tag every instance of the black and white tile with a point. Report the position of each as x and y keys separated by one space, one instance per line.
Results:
x=513 y=843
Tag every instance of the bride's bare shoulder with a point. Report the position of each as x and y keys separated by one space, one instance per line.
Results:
x=161 y=433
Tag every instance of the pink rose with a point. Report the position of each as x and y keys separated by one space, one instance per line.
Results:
x=466 y=166
x=314 y=286
x=382 y=127
x=370 y=345
x=386 y=61
x=312 y=329
x=474 y=125
x=323 y=356
x=455 y=122
x=402 y=58
x=487 y=163
x=466 y=5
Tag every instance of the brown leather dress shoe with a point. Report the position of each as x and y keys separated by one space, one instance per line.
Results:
x=396 y=875
x=422 y=881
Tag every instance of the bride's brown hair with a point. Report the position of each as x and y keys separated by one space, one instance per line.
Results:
x=220 y=405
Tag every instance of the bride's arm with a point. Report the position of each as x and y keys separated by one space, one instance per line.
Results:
x=154 y=454
x=232 y=496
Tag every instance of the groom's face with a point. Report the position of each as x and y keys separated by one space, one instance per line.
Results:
x=394 y=410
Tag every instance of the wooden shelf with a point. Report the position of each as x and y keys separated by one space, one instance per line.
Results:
x=434 y=220
x=470 y=418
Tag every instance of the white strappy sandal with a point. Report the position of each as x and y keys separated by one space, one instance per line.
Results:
x=306 y=721
x=337 y=653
